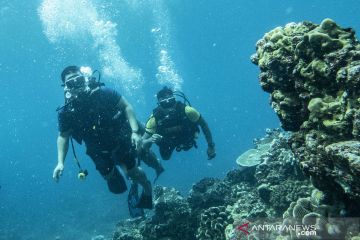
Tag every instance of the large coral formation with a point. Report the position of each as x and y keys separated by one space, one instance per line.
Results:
x=313 y=75
x=303 y=61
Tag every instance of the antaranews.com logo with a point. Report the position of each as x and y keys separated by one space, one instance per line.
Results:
x=266 y=229
x=247 y=229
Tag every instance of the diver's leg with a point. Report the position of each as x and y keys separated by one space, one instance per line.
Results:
x=152 y=161
x=166 y=151
x=115 y=181
x=106 y=167
x=138 y=176
x=130 y=166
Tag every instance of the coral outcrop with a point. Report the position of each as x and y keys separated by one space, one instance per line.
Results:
x=313 y=75
x=209 y=192
x=212 y=223
x=278 y=182
x=128 y=230
x=323 y=221
x=171 y=219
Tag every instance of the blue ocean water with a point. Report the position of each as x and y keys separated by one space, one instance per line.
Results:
x=199 y=46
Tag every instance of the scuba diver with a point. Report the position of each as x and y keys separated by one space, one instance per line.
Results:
x=105 y=121
x=174 y=125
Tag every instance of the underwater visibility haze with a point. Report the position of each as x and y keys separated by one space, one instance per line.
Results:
x=201 y=47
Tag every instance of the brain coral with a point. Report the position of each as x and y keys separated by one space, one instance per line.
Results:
x=213 y=222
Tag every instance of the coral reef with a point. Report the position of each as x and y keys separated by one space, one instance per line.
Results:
x=98 y=237
x=309 y=176
x=209 y=192
x=249 y=158
x=279 y=176
x=212 y=223
x=214 y=208
x=171 y=219
x=278 y=182
x=345 y=157
x=313 y=75
x=128 y=230
x=324 y=220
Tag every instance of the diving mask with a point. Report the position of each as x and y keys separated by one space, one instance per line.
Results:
x=78 y=83
x=167 y=102
x=75 y=86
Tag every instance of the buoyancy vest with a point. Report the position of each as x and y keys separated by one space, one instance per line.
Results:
x=100 y=125
x=174 y=125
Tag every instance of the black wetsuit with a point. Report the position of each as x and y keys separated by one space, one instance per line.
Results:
x=177 y=130
x=97 y=121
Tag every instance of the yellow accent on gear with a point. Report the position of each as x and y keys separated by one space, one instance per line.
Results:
x=151 y=125
x=192 y=114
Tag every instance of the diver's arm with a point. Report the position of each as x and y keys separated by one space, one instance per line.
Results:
x=62 y=147
x=150 y=136
x=146 y=140
x=130 y=115
x=206 y=130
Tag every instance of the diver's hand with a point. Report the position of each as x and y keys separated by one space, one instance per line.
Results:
x=136 y=140
x=211 y=151
x=58 y=172
x=156 y=138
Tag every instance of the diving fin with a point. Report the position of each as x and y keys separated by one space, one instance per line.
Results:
x=159 y=171
x=133 y=199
